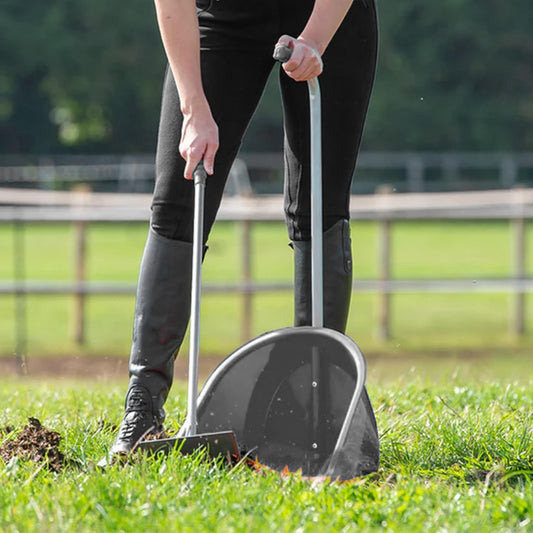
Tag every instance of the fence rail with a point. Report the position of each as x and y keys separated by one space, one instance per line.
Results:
x=60 y=206
x=83 y=208
x=406 y=171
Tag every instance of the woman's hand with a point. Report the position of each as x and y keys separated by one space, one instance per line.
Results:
x=306 y=59
x=305 y=62
x=199 y=140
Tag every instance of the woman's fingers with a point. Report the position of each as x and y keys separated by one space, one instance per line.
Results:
x=192 y=157
x=305 y=62
x=209 y=157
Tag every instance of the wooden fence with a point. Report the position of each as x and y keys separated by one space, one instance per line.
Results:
x=407 y=171
x=83 y=208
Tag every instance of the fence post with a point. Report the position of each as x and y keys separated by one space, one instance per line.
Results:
x=79 y=298
x=384 y=252
x=21 y=325
x=415 y=174
x=246 y=273
x=80 y=259
x=239 y=184
x=450 y=171
x=519 y=267
x=508 y=172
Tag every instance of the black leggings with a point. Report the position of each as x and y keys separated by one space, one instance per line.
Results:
x=237 y=40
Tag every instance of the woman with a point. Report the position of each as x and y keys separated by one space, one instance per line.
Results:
x=220 y=56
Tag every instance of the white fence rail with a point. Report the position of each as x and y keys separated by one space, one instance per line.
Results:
x=35 y=205
x=407 y=171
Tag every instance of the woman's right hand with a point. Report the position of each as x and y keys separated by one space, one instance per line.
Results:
x=199 y=139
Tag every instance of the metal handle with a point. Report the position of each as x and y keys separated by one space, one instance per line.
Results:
x=199 y=174
x=317 y=295
x=282 y=53
x=200 y=178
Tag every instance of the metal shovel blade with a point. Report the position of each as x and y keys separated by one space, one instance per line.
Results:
x=218 y=445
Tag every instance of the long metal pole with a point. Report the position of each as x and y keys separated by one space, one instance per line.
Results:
x=199 y=177
x=317 y=318
x=317 y=295
x=282 y=54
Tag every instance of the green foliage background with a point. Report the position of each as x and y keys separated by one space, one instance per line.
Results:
x=86 y=77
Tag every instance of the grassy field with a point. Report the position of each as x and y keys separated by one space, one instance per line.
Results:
x=420 y=322
x=456 y=425
x=456 y=456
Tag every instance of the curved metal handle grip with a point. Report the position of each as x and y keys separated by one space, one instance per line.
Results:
x=282 y=53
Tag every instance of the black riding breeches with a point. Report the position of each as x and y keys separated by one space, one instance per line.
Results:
x=237 y=41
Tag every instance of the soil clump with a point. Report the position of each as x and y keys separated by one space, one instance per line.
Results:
x=34 y=443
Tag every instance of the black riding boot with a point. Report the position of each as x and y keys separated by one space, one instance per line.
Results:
x=162 y=310
x=337 y=280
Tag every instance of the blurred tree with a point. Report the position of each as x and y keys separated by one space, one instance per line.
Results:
x=24 y=106
x=87 y=76
x=83 y=76
x=454 y=75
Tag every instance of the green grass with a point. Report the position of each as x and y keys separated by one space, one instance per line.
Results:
x=455 y=456
x=420 y=322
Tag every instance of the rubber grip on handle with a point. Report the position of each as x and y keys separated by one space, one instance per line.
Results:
x=199 y=174
x=282 y=53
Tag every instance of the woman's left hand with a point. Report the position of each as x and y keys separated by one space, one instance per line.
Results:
x=305 y=62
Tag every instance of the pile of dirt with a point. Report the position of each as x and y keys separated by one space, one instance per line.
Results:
x=35 y=443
